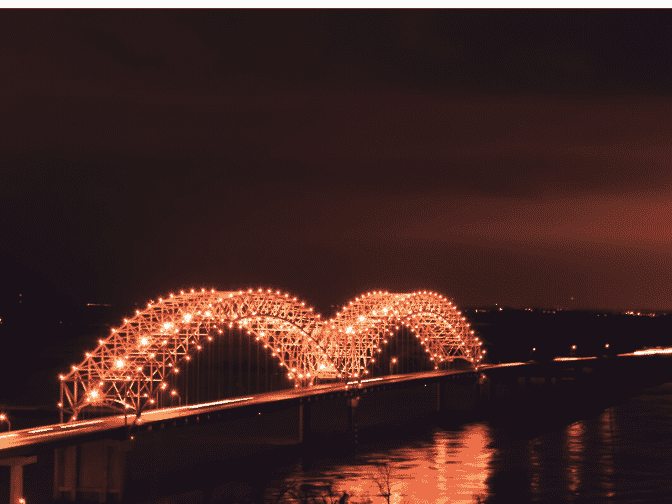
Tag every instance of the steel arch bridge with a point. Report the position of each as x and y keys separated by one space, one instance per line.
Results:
x=134 y=365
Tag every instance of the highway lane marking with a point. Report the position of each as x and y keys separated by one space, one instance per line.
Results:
x=563 y=359
x=225 y=401
x=79 y=424
x=194 y=406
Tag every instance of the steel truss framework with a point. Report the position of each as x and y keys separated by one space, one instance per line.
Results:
x=136 y=362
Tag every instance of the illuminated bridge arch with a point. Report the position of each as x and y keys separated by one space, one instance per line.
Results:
x=356 y=335
x=136 y=362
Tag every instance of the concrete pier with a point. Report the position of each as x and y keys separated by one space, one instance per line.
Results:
x=90 y=471
x=16 y=464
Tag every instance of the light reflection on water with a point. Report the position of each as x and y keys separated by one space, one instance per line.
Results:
x=452 y=466
x=575 y=447
x=624 y=453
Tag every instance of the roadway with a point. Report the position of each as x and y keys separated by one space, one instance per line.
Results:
x=60 y=432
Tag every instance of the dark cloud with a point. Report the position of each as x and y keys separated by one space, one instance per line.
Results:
x=495 y=155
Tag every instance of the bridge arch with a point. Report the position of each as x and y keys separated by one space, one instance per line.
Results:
x=356 y=334
x=135 y=364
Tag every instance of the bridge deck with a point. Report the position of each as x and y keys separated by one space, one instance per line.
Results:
x=22 y=441
x=59 y=432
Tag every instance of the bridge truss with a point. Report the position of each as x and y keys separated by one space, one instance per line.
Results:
x=136 y=363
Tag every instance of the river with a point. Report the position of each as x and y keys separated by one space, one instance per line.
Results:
x=623 y=453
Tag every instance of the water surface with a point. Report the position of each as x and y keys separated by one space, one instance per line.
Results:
x=623 y=454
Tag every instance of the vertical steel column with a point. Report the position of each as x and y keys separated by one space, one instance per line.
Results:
x=240 y=363
x=230 y=364
x=198 y=377
x=61 y=403
x=266 y=378
x=186 y=371
x=220 y=362
x=151 y=380
x=75 y=394
x=249 y=365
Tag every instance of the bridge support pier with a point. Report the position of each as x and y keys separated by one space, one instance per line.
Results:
x=16 y=476
x=440 y=396
x=522 y=384
x=91 y=471
x=304 y=422
x=353 y=402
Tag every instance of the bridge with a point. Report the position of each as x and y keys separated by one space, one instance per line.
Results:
x=137 y=366
x=332 y=377
x=142 y=367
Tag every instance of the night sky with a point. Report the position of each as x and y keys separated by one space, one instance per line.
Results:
x=514 y=157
